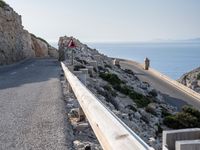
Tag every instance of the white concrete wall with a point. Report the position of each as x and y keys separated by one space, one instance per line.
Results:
x=170 y=137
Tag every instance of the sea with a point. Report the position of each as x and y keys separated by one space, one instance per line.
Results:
x=170 y=58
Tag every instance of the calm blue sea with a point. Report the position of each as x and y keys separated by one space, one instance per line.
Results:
x=172 y=59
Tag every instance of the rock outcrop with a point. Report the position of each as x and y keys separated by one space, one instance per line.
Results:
x=42 y=48
x=17 y=43
x=14 y=40
x=192 y=79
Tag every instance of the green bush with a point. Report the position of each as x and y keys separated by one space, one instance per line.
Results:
x=165 y=113
x=2 y=4
x=181 y=120
x=198 y=76
x=111 y=78
x=122 y=89
x=187 y=118
x=139 y=99
x=110 y=90
x=117 y=84
x=143 y=102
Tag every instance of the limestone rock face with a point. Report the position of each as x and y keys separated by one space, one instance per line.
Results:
x=40 y=47
x=14 y=40
x=192 y=80
x=17 y=43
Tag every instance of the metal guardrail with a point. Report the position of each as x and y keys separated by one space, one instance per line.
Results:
x=111 y=132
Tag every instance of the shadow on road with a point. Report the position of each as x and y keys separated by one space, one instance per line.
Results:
x=29 y=71
x=179 y=103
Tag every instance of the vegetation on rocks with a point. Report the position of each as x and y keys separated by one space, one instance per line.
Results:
x=110 y=90
x=111 y=78
x=119 y=85
x=198 y=76
x=2 y=4
x=188 y=118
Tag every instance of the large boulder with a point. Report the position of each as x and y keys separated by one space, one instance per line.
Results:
x=40 y=47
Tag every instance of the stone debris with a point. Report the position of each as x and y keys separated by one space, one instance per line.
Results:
x=83 y=136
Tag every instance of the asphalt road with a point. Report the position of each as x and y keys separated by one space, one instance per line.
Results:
x=171 y=94
x=32 y=110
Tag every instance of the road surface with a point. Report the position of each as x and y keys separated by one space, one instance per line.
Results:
x=171 y=94
x=32 y=110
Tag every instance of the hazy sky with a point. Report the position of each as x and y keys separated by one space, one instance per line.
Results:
x=110 y=20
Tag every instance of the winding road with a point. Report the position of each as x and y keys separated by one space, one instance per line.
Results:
x=32 y=110
x=171 y=94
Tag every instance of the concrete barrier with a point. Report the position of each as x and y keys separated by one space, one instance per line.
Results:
x=170 y=137
x=94 y=64
x=188 y=145
x=111 y=132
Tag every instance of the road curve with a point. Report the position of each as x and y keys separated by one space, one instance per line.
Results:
x=171 y=94
x=32 y=110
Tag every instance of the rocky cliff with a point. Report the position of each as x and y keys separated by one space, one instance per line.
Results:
x=192 y=79
x=16 y=43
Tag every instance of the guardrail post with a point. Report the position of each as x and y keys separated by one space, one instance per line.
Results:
x=90 y=70
x=85 y=72
x=71 y=68
x=94 y=64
